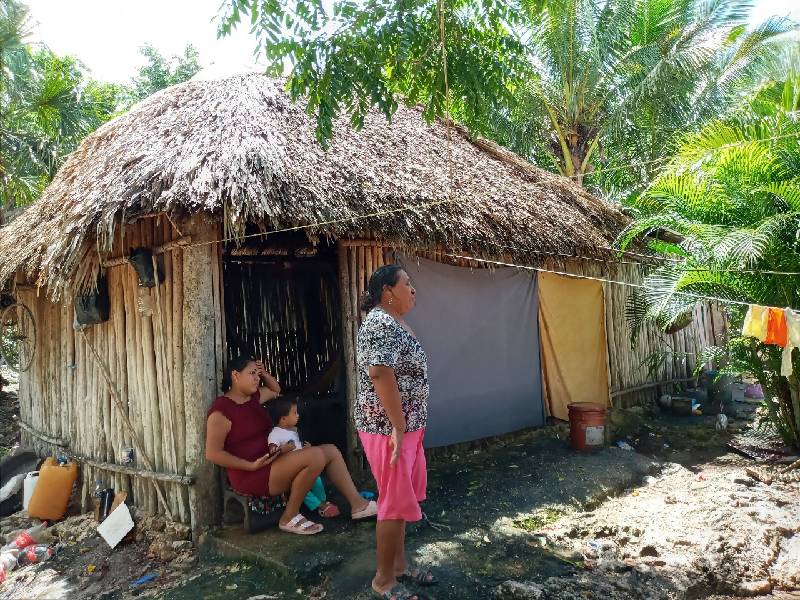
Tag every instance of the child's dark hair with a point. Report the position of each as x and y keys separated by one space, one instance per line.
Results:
x=280 y=407
x=237 y=363
x=385 y=275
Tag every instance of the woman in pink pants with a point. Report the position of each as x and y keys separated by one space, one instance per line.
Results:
x=390 y=416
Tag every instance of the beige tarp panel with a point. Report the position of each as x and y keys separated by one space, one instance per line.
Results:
x=573 y=340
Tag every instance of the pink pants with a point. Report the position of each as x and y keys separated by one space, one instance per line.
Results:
x=401 y=487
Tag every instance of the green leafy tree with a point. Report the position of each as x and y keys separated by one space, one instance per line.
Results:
x=158 y=72
x=347 y=56
x=47 y=105
x=570 y=84
x=731 y=195
x=616 y=81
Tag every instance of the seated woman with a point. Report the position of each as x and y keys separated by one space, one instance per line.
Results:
x=236 y=439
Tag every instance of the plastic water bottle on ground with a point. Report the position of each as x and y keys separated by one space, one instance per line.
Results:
x=35 y=554
x=8 y=562
x=29 y=537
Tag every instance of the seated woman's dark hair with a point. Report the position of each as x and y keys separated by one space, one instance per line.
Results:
x=385 y=275
x=237 y=363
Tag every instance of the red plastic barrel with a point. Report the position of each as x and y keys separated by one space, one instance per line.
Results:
x=587 y=426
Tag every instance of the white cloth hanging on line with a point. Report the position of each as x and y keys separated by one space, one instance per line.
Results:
x=793 y=327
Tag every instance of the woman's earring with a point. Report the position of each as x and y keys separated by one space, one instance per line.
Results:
x=391 y=299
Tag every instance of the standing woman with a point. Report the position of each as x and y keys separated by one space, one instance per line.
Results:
x=390 y=416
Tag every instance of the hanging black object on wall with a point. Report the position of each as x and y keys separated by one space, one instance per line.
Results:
x=142 y=261
x=93 y=308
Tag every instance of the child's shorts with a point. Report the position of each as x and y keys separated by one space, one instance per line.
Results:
x=400 y=487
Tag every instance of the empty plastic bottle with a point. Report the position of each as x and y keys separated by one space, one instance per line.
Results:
x=35 y=554
x=8 y=562
x=29 y=537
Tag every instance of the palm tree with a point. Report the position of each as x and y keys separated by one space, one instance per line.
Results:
x=732 y=195
x=46 y=107
x=616 y=80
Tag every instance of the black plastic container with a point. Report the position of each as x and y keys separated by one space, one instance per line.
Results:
x=142 y=261
x=106 y=500
x=94 y=308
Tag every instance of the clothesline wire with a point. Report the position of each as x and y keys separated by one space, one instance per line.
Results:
x=593 y=278
x=423 y=205
x=632 y=262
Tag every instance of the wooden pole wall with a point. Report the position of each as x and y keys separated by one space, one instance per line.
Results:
x=65 y=394
x=357 y=261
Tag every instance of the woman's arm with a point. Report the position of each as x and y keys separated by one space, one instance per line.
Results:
x=271 y=388
x=385 y=382
x=217 y=428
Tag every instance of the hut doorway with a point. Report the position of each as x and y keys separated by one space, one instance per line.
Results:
x=282 y=305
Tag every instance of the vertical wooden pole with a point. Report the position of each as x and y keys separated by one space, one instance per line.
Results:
x=348 y=332
x=200 y=383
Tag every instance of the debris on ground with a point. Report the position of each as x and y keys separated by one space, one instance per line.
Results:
x=668 y=513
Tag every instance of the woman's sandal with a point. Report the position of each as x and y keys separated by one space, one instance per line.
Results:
x=301 y=526
x=370 y=510
x=398 y=592
x=328 y=510
x=419 y=575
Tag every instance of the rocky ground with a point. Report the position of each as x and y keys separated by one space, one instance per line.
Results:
x=9 y=408
x=516 y=519
x=684 y=533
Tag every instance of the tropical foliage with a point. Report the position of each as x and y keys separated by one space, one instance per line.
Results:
x=158 y=73
x=615 y=81
x=570 y=84
x=347 y=56
x=732 y=196
x=47 y=105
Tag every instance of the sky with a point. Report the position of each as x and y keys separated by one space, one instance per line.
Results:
x=106 y=34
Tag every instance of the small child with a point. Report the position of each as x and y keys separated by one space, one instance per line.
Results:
x=285 y=417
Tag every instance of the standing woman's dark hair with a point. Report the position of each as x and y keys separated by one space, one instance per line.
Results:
x=237 y=363
x=385 y=275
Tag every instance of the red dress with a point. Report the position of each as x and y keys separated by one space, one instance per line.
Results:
x=247 y=439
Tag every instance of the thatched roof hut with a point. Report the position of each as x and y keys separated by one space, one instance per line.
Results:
x=199 y=173
x=241 y=150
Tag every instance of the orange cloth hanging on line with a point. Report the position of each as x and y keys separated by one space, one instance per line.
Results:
x=755 y=322
x=777 y=333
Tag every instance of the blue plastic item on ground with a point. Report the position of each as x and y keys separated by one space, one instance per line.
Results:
x=367 y=495
x=144 y=579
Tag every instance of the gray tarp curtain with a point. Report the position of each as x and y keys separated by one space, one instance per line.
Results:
x=480 y=331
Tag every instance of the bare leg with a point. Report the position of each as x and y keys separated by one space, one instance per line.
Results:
x=388 y=533
x=400 y=560
x=295 y=472
x=337 y=472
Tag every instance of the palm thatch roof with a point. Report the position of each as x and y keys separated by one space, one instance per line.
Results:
x=240 y=150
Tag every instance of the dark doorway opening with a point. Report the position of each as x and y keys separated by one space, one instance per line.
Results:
x=282 y=305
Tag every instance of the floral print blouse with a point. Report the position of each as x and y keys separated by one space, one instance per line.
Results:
x=383 y=341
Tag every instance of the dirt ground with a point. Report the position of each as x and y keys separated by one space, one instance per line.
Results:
x=696 y=530
x=517 y=519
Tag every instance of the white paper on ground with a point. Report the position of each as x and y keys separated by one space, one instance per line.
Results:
x=11 y=487
x=116 y=525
